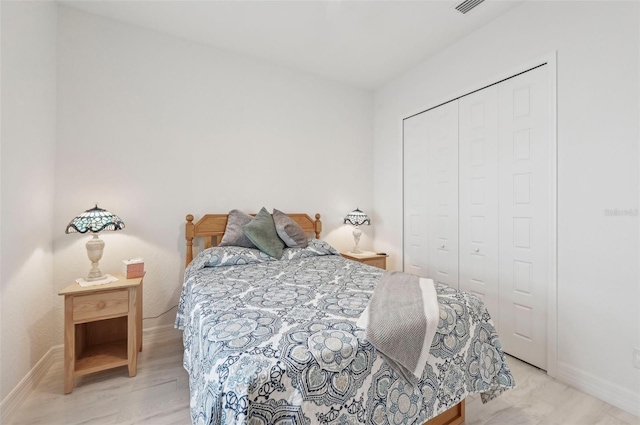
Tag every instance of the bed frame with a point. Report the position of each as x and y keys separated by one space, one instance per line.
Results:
x=211 y=227
x=452 y=416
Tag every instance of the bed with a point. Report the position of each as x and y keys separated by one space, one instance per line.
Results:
x=271 y=341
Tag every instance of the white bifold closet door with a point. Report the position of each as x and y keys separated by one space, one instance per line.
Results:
x=525 y=214
x=477 y=204
x=479 y=193
x=504 y=208
x=431 y=194
x=415 y=187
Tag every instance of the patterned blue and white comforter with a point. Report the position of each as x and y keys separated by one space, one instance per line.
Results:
x=275 y=342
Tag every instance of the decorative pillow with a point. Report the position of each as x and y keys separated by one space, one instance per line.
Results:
x=233 y=234
x=315 y=248
x=289 y=231
x=261 y=231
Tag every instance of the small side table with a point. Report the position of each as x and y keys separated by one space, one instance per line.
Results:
x=102 y=327
x=370 y=258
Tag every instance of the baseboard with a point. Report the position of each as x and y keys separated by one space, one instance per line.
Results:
x=51 y=357
x=157 y=330
x=607 y=391
x=15 y=398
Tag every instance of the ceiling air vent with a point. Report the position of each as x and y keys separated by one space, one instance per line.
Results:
x=467 y=5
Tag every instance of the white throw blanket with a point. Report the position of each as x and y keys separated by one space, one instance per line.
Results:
x=401 y=321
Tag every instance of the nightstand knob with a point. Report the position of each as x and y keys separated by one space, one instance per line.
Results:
x=477 y=249
x=442 y=246
x=101 y=305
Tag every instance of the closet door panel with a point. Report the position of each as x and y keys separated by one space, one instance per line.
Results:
x=416 y=196
x=442 y=177
x=524 y=214
x=478 y=173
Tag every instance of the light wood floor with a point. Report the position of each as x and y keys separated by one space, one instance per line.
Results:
x=159 y=394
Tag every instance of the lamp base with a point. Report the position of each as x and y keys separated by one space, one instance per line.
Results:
x=95 y=247
x=95 y=276
x=356 y=238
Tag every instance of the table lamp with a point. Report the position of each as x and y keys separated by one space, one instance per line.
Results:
x=95 y=220
x=357 y=218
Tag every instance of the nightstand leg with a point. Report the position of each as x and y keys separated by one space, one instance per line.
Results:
x=69 y=345
x=140 y=292
x=132 y=330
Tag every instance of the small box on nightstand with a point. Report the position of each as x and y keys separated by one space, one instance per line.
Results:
x=133 y=268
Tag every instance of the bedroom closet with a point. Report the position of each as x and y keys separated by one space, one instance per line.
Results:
x=478 y=203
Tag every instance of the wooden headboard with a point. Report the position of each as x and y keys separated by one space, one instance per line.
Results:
x=212 y=226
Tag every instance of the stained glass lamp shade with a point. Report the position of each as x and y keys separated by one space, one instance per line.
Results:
x=95 y=220
x=357 y=218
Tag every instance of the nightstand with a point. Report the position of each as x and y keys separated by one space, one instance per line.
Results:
x=370 y=258
x=102 y=327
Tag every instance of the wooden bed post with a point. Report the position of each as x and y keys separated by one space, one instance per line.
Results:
x=190 y=232
x=318 y=226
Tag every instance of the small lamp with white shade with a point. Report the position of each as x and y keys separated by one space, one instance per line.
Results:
x=357 y=218
x=95 y=220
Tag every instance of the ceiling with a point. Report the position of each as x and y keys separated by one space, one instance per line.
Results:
x=360 y=43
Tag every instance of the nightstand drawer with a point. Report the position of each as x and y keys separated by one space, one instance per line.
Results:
x=377 y=262
x=102 y=304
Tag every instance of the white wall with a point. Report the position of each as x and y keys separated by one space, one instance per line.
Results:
x=27 y=172
x=597 y=47
x=154 y=128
